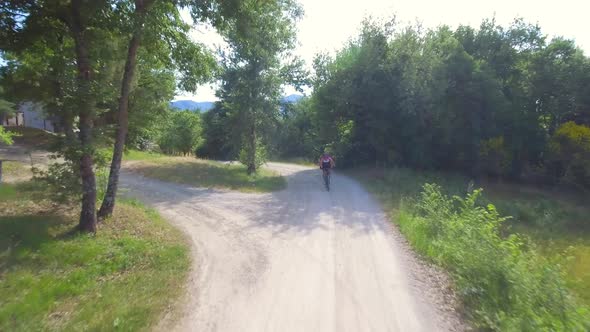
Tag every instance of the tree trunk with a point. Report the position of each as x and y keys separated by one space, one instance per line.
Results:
x=88 y=214
x=252 y=149
x=108 y=204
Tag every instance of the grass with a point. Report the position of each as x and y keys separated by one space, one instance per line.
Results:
x=33 y=137
x=203 y=173
x=556 y=224
x=297 y=161
x=14 y=170
x=52 y=278
x=135 y=155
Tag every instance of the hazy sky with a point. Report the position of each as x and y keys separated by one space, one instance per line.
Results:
x=328 y=24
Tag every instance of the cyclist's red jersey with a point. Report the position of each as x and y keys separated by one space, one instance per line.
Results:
x=326 y=161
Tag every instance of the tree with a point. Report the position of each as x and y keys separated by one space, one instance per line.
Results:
x=181 y=133
x=6 y=107
x=73 y=55
x=70 y=48
x=138 y=21
x=149 y=105
x=195 y=64
x=569 y=150
x=73 y=52
x=161 y=22
x=481 y=101
x=258 y=39
x=217 y=141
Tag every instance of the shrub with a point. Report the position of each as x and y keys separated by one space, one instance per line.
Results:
x=569 y=150
x=495 y=158
x=257 y=158
x=181 y=133
x=5 y=136
x=505 y=286
x=63 y=178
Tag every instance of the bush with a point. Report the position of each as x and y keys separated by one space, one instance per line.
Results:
x=5 y=136
x=63 y=178
x=569 y=150
x=181 y=133
x=506 y=286
x=255 y=159
x=494 y=156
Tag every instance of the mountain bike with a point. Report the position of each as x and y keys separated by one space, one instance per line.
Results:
x=326 y=176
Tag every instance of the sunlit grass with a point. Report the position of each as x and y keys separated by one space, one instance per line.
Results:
x=141 y=155
x=204 y=173
x=52 y=278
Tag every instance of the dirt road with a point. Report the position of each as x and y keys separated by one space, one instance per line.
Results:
x=302 y=259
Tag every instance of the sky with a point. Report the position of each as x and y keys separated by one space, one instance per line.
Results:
x=329 y=24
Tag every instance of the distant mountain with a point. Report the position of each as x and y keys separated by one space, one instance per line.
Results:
x=204 y=106
x=291 y=98
x=191 y=105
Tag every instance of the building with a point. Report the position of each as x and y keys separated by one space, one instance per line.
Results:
x=31 y=115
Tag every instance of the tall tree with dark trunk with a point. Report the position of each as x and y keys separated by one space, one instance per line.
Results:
x=108 y=203
x=62 y=44
x=255 y=72
x=86 y=114
x=158 y=24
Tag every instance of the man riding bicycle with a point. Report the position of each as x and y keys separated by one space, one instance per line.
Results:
x=326 y=163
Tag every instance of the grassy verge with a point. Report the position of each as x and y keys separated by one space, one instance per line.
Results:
x=203 y=173
x=33 y=138
x=134 y=155
x=15 y=171
x=297 y=161
x=512 y=275
x=51 y=278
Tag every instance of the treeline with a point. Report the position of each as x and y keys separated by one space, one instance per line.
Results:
x=492 y=101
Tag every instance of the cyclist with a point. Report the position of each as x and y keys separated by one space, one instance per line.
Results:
x=326 y=163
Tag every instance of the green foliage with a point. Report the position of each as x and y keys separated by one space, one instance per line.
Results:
x=141 y=155
x=6 y=108
x=260 y=40
x=62 y=178
x=217 y=140
x=478 y=101
x=149 y=106
x=495 y=158
x=181 y=133
x=249 y=157
x=5 y=136
x=294 y=133
x=569 y=148
x=504 y=286
x=556 y=222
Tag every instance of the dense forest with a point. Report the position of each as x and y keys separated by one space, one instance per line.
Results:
x=497 y=101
